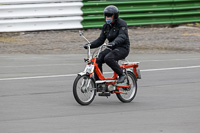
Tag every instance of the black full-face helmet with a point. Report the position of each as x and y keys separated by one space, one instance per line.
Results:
x=110 y=11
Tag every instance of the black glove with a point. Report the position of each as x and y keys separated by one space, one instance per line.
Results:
x=86 y=46
x=111 y=45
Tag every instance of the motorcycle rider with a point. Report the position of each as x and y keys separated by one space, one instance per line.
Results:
x=116 y=31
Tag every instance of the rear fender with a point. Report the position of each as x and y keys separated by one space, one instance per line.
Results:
x=131 y=70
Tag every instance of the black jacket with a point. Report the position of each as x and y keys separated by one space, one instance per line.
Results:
x=116 y=32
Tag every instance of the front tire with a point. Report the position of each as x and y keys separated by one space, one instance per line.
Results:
x=84 y=95
x=131 y=92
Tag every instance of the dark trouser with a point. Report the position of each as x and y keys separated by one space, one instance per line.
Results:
x=111 y=57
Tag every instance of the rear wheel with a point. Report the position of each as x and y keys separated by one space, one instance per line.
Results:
x=131 y=92
x=84 y=89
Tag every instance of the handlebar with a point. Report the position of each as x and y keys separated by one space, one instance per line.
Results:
x=99 y=50
x=89 y=44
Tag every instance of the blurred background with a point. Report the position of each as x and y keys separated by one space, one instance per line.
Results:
x=51 y=26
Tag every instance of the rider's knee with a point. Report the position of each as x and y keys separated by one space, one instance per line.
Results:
x=99 y=61
x=108 y=59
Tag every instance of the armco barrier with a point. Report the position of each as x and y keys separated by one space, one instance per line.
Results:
x=143 y=12
x=34 y=24
x=31 y=15
x=41 y=10
x=8 y=2
x=40 y=15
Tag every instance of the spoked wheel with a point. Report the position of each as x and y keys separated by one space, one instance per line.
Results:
x=84 y=89
x=131 y=92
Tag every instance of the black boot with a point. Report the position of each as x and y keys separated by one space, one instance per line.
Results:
x=121 y=78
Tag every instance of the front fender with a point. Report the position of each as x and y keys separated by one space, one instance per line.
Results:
x=82 y=73
x=92 y=78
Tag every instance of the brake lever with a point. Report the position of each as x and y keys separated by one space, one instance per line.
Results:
x=108 y=46
x=86 y=60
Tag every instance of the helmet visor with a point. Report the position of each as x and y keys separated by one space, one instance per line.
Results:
x=108 y=14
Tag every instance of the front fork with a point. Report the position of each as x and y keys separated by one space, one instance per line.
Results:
x=84 y=86
x=88 y=84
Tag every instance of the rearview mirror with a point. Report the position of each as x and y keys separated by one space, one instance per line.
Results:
x=80 y=32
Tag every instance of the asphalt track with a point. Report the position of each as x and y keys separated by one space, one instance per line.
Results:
x=36 y=96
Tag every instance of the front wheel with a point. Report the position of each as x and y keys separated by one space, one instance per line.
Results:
x=84 y=89
x=131 y=92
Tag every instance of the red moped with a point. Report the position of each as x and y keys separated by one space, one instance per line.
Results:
x=85 y=87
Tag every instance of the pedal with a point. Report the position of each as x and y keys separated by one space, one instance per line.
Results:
x=104 y=94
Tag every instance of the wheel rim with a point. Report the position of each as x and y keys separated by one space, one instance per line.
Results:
x=130 y=92
x=85 y=94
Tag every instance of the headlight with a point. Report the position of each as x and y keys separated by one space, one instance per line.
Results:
x=89 y=69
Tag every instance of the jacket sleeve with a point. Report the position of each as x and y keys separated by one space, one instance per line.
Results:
x=99 y=40
x=122 y=36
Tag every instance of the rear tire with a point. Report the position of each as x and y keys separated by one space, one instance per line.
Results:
x=131 y=92
x=82 y=94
